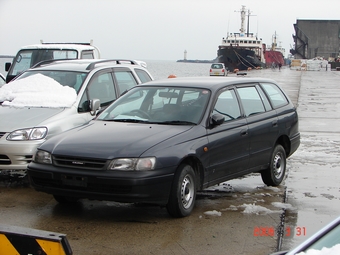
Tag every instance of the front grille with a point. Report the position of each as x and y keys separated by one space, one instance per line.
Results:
x=4 y=160
x=90 y=186
x=81 y=163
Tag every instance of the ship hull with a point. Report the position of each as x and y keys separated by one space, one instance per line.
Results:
x=238 y=58
x=273 y=57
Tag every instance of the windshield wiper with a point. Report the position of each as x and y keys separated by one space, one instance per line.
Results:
x=178 y=122
x=128 y=120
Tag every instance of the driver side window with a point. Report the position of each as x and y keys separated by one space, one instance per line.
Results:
x=227 y=105
x=101 y=87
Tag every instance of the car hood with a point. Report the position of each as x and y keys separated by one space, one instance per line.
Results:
x=13 y=118
x=109 y=140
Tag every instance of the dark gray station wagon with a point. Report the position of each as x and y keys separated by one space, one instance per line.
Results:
x=164 y=140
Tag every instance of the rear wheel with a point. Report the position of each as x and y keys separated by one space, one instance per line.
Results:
x=275 y=173
x=65 y=199
x=183 y=192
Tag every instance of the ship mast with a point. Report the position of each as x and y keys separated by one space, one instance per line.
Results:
x=243 y=17
x=274 y=42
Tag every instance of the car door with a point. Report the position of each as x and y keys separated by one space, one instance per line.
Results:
x=228 y=142
x=262 y=125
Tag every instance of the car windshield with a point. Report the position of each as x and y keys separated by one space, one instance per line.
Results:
x=37 y=91
x=66 y=78
x=28 y=58
x=329 y=240
x=161 y=105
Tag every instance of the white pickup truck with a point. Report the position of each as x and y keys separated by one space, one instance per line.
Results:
x=30 y=55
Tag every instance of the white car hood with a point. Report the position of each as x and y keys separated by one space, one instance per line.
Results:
x=13 y=118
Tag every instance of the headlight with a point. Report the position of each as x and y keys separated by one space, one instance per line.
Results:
x=28 y=134
x=130 y=164
x=42 y=157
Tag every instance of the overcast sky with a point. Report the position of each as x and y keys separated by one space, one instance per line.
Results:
x=152 y=29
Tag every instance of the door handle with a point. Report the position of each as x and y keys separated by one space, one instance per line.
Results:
x=244 y=132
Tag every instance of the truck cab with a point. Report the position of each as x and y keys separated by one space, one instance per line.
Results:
x=30 y=55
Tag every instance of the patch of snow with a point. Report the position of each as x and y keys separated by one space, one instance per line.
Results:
x=213 y=213
x=283 y=205
x=324 y=251
x=37 y=91
x=231 y=208
x=251 y=209
x=275 y=189
x=256 y=209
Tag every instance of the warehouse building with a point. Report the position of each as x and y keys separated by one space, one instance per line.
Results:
x=316 y=38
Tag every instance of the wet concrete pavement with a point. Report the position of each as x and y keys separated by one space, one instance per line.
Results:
x=241 y=216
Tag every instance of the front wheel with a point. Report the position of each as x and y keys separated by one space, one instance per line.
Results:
x=183 y=192
x=275 y=173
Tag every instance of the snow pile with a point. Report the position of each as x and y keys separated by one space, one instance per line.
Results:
x=213 y=213
x=324 y=251
x=257 y=209
x=37 y=91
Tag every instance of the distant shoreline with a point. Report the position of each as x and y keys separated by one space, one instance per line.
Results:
x=6 y=56
x=195 y=61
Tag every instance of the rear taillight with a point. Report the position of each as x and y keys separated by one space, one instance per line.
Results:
x=222 y=70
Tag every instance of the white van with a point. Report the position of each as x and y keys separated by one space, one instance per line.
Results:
x=30 y=55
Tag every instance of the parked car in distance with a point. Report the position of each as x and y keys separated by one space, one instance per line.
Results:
x=164 y=140
x=325 y=241
x=218 y=69
x=39 y=110
x=30 y=55
x=2 y=80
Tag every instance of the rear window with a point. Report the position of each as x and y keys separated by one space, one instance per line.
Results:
x=217 y=66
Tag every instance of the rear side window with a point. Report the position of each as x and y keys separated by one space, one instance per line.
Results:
x=276 y=96
x=251 y=101
x=125 y=80
x=142 y=75
x=87 y=54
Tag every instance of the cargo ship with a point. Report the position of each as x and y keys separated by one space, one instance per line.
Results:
x=242 y=51
x=274 y=54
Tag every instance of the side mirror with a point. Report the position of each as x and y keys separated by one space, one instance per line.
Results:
x=7 y=66
x=94 y=106
x=217 y=119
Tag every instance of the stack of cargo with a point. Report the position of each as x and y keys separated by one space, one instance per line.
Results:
x=313 y=65
x=310 y=65
x=295 y=64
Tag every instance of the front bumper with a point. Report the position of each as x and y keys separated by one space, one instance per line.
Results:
x=121 y=186
x=16 y=155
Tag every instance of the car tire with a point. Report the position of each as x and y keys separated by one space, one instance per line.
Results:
x=275 y=173
x=183 y=192
x=65 y=199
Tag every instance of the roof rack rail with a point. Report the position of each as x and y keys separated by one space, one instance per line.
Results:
x=118 y=61
x=65 y=43
x=44 y=62
x=90 y=43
